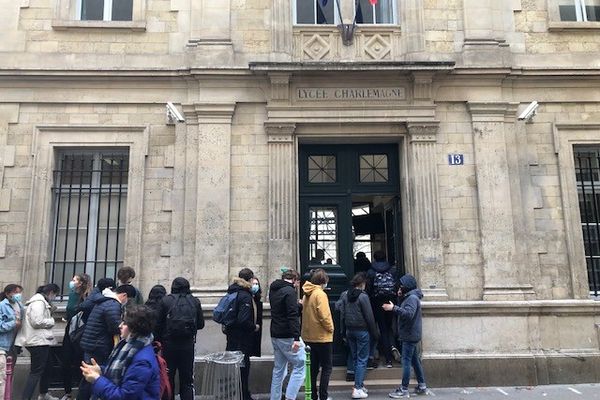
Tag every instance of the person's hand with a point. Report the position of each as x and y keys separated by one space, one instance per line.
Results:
x=91 y=372
x=300 y=301
x=18 y=323
x=257 y=328
x=295 y=346
x=389 y=306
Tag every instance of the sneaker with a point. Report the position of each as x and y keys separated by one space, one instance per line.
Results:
x=421 y=390
x=399 y=393
x=47 y=396
x=389 y=364
x=364 y=389
x=396 y=354
x=359 y=394
x=67 y=396
x=349 y=377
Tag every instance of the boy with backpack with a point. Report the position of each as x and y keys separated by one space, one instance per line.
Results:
x=382 y=289
x=409 y=333
x=180 y=319
x=239 y=321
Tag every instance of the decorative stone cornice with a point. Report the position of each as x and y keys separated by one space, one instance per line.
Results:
x=422 y=131
x=208 y=113
x=491 y=111
x=280 y=132
x=280 y=86
x=422 y=84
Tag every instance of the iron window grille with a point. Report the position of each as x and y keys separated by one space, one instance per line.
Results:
x=587 y=173
x=89 y=202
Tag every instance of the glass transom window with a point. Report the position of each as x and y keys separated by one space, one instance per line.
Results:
x=373 y=168
x=321 y=169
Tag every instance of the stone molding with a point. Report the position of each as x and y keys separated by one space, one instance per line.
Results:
x=422 y=85
x=46 y=138
x=566 y=135
x=280 y=86
x=208 y=113
x=280 y=132
x=491 y=111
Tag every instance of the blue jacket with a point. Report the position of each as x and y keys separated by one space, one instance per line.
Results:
x=101 y=325
x=8 y=323
x=410 y=328
x=141 y=380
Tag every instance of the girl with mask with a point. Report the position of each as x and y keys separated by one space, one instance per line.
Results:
x=256 y=292
x=36 y=335
x=79 y=289
x=10 y=322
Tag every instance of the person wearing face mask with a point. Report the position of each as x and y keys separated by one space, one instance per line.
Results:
x=317 y=331
x=131 y=371
x=36 y=335
x=10 y=322
x=79 y=290
x=256 y=291
x=245 y=325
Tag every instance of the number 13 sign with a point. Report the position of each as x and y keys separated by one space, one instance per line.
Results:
x=456 y=159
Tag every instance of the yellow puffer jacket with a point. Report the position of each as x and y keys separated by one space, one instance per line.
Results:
x=317 y=324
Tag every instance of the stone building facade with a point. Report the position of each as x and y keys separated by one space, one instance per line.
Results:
x=487 y=208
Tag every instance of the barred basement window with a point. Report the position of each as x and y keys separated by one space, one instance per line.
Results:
x=90 y=197
x=587 y=174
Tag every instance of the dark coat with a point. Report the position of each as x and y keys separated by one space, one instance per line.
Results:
x=410 y=327
x=101 y=325
x=241 y=332
x=180 y=287
x=88 y=304
x=285 y=312
x=356 y=312
x=140 y=382
x=255 y=350
x=381 y=267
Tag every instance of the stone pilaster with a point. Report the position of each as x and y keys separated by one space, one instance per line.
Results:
x=413 y=29
x=210 y=33
x=427 y=242
x=282 y=197
x=202 y=231
x=281 y=30
x=501 y=267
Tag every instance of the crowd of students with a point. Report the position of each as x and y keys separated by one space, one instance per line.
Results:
x=114 y=337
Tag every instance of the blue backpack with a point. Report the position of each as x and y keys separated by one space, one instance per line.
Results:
x=225 y=312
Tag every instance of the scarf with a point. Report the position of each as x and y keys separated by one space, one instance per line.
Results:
x=122 y=356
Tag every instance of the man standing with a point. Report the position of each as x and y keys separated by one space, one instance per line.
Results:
x=239 y=333
x=180 y=319
x=285 y=335
x=101 y=327
x=125 y=276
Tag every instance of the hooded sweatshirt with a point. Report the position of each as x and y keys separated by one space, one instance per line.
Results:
x=36 y=329
x=409 y=311
x=317 y=323
x=179 y=287
x=356 y=312
x=285 y=313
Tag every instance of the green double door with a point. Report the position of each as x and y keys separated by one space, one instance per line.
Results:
x=349 y=203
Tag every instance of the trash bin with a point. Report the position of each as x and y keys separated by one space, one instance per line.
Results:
x=221 y=378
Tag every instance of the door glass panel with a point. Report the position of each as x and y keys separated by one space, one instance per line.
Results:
x=323 y=235
x=321 y=169
x=373 y=168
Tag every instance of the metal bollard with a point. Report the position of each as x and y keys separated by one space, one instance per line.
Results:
x=307 y=381
x=9 y=380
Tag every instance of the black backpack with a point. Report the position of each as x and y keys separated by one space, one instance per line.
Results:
x=181 y=318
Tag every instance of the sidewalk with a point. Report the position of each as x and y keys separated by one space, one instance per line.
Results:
x=550 y=392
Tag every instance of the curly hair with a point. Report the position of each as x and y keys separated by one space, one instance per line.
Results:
x=139 y=320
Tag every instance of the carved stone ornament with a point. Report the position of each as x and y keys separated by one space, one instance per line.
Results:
x=316 y=47
x=280 y=86
x=280 y=132
x=423 y=132
x=378 y=48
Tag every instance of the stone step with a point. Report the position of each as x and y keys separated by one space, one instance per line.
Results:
x=339 y=373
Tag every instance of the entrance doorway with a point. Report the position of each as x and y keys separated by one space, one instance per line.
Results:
x=349 y=203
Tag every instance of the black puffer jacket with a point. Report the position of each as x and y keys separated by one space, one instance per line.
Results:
x=285 y=312
x=240 y=333
x=101 y=325
x=179 y=287
x=356 y=312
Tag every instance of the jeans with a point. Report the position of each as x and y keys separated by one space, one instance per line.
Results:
x=180 y=357
x=321 y=358
x=39 y=370
x=85 y=388
x=410 y=357
x=282 y=349
x=359 y=347
x=2 y=373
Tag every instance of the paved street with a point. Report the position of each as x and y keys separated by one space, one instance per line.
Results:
x=552 y=392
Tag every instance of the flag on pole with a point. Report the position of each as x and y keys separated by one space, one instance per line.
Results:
x=373 y=2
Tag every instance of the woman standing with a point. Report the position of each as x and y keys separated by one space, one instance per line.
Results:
x=153 y=303
x=10 y=322
x=36 y=335
x=131 y=371
x=79 y=289
x=256 y=292
x=317 y=330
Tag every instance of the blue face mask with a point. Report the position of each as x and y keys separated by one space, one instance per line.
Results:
x=255 y=288
x=17 y=297
x=71 y=285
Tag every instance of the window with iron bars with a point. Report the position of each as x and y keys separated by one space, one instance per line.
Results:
x=587 y=173
x=89 y=202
